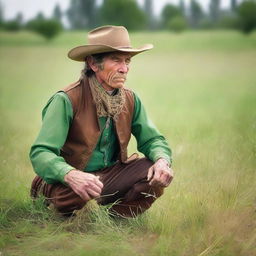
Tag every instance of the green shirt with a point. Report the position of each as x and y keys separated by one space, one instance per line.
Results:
x=57 y=117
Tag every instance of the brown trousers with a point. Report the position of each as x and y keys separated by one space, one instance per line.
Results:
x=125 y=185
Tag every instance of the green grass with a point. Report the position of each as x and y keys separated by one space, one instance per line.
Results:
x=200 y=90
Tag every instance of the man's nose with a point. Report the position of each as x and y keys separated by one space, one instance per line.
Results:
x=123 y=68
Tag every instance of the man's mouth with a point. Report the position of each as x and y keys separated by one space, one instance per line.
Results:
x=120 y=78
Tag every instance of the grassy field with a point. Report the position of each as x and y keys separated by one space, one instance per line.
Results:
x=200 y=90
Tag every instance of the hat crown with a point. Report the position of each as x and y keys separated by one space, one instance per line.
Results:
x=114 y=36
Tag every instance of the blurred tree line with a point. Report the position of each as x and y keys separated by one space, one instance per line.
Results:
x=88 y=14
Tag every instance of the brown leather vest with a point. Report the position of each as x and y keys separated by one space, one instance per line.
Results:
x=84 y=131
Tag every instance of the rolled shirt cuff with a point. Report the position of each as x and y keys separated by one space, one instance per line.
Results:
x=159 y=155
x=63 y=172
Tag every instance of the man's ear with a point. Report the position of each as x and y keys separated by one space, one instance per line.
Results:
x=92 y=64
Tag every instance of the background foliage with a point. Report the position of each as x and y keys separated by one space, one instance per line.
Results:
x=123 y=12
x=88 y=14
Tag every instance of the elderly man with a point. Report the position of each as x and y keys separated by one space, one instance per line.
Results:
x=81 y=151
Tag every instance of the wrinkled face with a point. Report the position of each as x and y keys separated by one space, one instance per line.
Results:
x=112 y=72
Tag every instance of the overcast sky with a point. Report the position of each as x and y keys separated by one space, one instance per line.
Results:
x=29 y=8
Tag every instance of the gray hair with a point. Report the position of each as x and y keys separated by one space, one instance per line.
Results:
x=98 y=59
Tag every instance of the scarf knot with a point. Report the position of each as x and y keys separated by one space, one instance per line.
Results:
x=106 y=105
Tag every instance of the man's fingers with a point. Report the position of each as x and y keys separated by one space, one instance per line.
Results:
x=150 y=173
x=156 y=178
x=92 y=193
x=86 y=185
x=88 y=193
x=162 y=177
x=98 y=182
x=166 y=177
x=171 y=175
x=95 y=188
x=84 y=195
x=160 y=174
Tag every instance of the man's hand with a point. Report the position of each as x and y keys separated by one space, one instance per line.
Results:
x=160 y=174
x=86 y=185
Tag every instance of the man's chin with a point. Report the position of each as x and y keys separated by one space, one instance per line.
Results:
x=118 y=85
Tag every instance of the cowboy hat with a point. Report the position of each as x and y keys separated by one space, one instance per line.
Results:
x=106 y=39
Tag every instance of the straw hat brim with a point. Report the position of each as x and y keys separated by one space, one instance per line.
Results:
x=80 y=52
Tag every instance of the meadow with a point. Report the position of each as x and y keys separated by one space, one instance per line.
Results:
x=199 y=88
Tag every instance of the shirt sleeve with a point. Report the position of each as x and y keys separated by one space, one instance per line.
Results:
x=45 y=152
x=150 y=141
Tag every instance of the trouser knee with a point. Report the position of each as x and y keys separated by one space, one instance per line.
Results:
x=138 y=205
x=63 y=198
